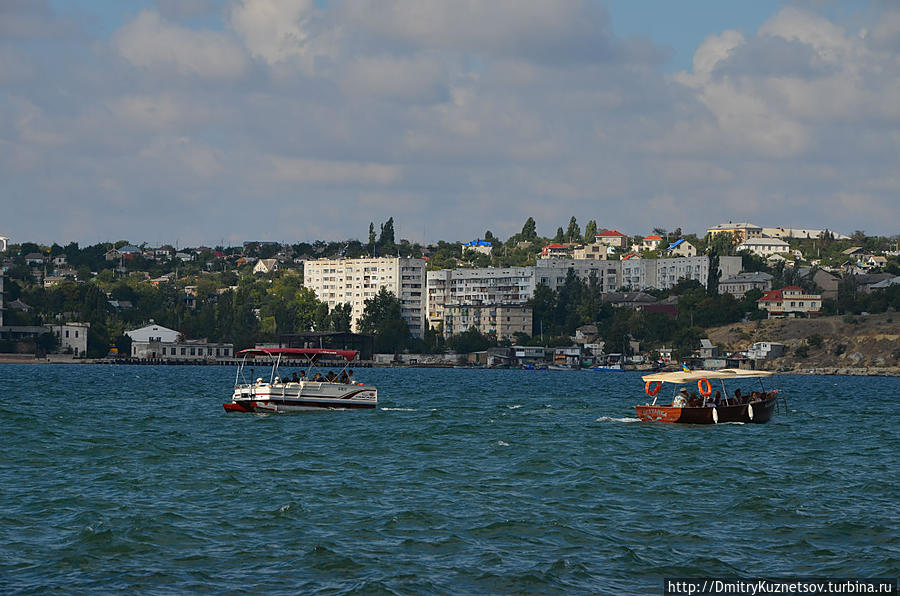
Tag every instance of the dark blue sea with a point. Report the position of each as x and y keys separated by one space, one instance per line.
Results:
x=126 y=478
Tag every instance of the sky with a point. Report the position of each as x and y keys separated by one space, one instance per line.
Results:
x=212 y=122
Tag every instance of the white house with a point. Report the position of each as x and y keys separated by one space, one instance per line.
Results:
x=682 y=248
x=266 y=266
x=72 y=336
x=154 y=333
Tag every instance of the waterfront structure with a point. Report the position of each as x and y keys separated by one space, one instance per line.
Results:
x=72 y=337
x=1 y=297
x=184 y=349
x=740 y=284
x=503 y=320
x=764 y=247
x=353 y=281
x=740 y=231
x=790 y=301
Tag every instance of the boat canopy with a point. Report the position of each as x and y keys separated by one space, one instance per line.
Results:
x=693 y=376
x=311 y=353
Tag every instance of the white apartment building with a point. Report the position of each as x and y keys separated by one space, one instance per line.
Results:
x=764 y=247
x=353 y=281
x=503 y=320
x=662 y=274
x=486 y=285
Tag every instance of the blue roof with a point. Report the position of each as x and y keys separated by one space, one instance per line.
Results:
x=675 y=244
x=478 y=242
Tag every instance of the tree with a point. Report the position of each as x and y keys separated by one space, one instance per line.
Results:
x=560 y=236
x=529 y=230
x=372 y=238
x=712 y=278
x=573 y=232
x=471 y=340
x=590 y=232
x=340 y=318
x=382 y=317
x=386 y=238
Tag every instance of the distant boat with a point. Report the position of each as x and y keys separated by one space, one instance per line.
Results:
x=608 y=368
x=562 y=367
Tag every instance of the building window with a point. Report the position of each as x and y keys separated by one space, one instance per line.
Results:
x=182 y=351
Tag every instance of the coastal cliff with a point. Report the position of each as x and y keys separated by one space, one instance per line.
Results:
x=844 y=344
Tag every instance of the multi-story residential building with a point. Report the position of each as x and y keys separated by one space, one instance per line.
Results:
x=740 y=231
x=790 y=301
x=742 y=283
x=353 y=281
x=503 y=320
x=662 y=274
x=764 y=247
x=486 y=285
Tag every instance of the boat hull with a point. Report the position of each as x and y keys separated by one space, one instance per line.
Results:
x=295 y=397
x=757 y=412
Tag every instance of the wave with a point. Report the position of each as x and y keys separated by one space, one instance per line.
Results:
x=399 y=409
x=613 y=419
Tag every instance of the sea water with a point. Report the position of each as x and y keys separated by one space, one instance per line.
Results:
x=117 y=478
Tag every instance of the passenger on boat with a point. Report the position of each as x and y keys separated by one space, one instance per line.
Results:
x=344 y=378
x=738 y=398
x=330 y=376
x=717 y=398
x=681 y=399
x=302 y=376
x=318 y=377
x=295 y=378
x=277 y=380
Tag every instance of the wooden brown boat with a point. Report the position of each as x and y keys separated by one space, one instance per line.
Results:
x=756 y=407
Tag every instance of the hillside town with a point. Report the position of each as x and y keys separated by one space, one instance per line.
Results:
x=599 y=297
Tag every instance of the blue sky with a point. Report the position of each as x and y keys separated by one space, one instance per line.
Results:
x=210 y=120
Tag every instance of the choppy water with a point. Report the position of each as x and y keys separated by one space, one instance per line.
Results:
x=463 y=481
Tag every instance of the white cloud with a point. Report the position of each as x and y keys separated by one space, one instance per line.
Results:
x=274 y=30
x=314 y=171
x=150 y=42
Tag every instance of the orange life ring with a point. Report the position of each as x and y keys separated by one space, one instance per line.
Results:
x=655 y=390
x=704 y=382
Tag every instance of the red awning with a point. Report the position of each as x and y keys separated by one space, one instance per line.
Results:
x=311 y=353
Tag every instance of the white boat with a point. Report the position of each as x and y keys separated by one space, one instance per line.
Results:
x=608 y=368
x=301 y=390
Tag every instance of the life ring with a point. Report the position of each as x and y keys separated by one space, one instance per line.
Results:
x=651 y=392
x=704 y=383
